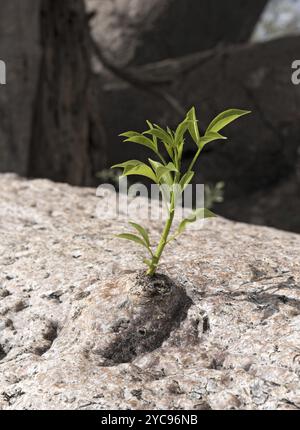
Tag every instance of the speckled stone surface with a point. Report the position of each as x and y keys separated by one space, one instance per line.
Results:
x=231 y=340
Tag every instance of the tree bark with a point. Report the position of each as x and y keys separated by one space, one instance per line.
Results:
x=20 y=50
x=50 y=108
x=65 y=126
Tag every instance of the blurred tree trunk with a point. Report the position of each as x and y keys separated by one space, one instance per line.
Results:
x=66 y=126
x=50 y=125
x=19 y=48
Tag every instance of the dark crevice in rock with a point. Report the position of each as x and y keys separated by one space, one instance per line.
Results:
x=4 y=293
x=56 y=296
x=206 y=325
x=20 y=306
x=257 y=273
x=11 y=398
x=49 y=335
x=155 y=307
x=2 y=353
x=266 y=298
x=9 y=324
x=52 y=332
x=273 y=301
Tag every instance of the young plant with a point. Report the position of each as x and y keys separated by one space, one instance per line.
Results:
x=166 y=171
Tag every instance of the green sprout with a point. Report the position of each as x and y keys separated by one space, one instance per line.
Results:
x=168 y=147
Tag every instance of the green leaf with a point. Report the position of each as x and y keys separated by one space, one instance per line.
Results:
x=166 y=139
x=180 y=131
x=142 y=232
x=210 y=137
x=151 y=127
x=148 y=262
x=165 y=135
x=129 y=134
x=180 y=150
x=136 y=167
x=193 y=126
x=186 y=179
x=143 y=140
x=162 y=170
x=160 y=134
x=125 y=165
x=132 y=238
x=226 y=118
x=170 y=132
x=171 y=167
x=197 y=214
x=155 y=164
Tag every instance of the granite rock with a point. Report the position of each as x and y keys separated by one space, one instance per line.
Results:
x=80 y=328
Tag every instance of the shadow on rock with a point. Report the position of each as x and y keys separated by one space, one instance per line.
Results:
x=154 y=307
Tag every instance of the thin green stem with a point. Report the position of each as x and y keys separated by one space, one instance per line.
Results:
x=161 y=158
x=165 y=235
x=195 y=159
x=164 y=238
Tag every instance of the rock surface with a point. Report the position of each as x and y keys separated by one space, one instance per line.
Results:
x=69 y=300
x=143 y=31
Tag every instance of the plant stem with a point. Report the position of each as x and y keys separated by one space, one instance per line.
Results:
x=161 y=158
x=195 y=159
x=164 y=238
